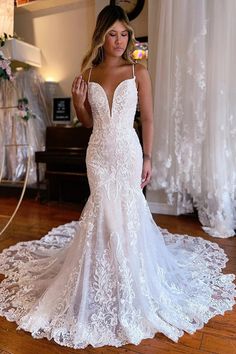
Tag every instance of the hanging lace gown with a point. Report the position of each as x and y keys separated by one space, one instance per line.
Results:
x=113 y=277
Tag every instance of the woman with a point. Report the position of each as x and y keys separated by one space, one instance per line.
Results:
x=113 y=68
x=114 y=277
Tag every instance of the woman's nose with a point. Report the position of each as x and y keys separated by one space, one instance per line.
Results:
x=118 y=39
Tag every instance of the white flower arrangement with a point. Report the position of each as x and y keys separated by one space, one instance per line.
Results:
x=5 y=64
x=5 y=68
x=23 y=110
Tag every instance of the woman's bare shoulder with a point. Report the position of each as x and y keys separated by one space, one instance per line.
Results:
x=140 y=69
x=141 y=73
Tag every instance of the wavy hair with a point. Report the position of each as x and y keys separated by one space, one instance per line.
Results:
x=106 y=18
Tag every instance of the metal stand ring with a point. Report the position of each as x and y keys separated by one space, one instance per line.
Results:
x=24 y=186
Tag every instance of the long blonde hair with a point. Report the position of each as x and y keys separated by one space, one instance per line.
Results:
x=106 y=18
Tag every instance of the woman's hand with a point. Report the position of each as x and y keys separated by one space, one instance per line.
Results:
x=79 y=96
x=79 y=92
x=146 y=173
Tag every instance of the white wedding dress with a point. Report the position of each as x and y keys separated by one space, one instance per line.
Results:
x=113 y=277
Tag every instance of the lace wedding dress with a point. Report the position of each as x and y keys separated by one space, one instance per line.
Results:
x=113 y=277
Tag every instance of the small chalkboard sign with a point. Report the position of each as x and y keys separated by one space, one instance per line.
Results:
x=61 y=110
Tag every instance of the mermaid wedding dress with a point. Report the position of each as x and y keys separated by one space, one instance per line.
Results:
x=113 y=277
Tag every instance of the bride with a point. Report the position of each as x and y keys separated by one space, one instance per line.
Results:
x=114 y=277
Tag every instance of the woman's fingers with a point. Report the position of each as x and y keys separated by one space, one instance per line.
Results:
x=76 y=83
x=79 y=84
x=83 y=85
x=79 y=90
x=146 y=177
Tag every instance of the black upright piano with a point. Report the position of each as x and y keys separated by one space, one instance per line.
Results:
x=64 y=156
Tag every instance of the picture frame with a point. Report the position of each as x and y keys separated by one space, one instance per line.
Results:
x=61 y=112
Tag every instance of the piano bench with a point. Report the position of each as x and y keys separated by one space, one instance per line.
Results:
x=65 y=173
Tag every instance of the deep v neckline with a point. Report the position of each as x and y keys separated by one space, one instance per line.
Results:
x=110 y=107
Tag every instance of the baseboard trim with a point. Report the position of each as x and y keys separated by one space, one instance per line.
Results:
x=163 y=208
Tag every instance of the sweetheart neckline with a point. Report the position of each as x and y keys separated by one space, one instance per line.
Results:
x=112 y=100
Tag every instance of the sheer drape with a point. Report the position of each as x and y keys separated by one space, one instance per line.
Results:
x=16 y=131
x=192 y=50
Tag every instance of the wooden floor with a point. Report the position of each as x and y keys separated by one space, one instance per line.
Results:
x=34 y=220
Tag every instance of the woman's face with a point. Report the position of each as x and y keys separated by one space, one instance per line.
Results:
x=116 y=40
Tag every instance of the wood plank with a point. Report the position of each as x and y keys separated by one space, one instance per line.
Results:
x=192 y=341
x=222 y=325
x=218 y=344
x=160 y=344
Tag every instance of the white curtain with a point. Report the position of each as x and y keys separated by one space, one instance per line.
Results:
x=192 y=53
x=15 y=131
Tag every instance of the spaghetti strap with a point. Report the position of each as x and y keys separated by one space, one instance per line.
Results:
x=89 y=74
x=133 y=71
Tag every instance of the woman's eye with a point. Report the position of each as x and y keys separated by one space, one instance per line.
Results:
x=112 y=34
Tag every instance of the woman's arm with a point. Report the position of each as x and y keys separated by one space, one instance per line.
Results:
x=80 y=100
x=146 y=111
